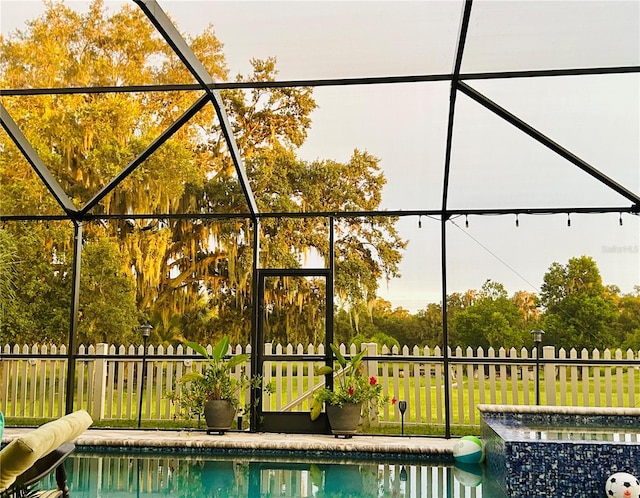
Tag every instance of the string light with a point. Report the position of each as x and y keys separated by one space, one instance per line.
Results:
x=420 y=221
x=466 y=221
x=517 y=221
x=568 y=219
x=620 y=219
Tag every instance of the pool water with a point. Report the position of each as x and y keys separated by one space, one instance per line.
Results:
x=191 y=476
x=606 y=434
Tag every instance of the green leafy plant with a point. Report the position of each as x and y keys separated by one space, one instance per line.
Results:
x=216 y=381
x=352 y=385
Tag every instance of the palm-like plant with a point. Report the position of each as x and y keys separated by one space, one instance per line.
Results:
x=216 y=381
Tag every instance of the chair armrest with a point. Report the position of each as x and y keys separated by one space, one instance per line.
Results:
x=44 y=466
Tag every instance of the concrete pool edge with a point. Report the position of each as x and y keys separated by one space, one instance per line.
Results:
x=244 y=442
x=568 y=410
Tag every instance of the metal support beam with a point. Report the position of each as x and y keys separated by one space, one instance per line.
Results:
x=462 y=37
x=371 y=80
x=173 y=37
x=73 y=327
x=36 y=163
x=547 y=142
x=257 y=349
x=329 y=300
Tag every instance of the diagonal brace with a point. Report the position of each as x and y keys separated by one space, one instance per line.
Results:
x=175 y=40
x=546 y=141
x=37 y=164
x=157 y=143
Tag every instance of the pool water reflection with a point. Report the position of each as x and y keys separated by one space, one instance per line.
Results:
x=189 y=476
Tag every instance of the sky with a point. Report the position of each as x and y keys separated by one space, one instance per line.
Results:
x=493 y=165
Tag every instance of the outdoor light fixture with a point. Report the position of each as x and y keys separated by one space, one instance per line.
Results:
x=517 y=221
x=466 y=221
x=403 y=474
x=568 y=220
x=402 y=406
x=145 y=331
x=420 y=221
x=620 y=219
x=537 y=339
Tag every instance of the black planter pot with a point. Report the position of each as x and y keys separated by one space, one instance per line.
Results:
x=344 y=420
x=219 y=414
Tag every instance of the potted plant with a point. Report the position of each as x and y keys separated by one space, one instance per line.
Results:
x=215 y=391
x=352 y=392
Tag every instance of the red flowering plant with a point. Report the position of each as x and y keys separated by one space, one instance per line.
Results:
x=351 y=384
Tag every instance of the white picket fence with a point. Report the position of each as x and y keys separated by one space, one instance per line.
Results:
x=108 y=380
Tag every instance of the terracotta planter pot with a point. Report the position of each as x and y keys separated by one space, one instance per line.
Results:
x=344 y=419
x=219 y=414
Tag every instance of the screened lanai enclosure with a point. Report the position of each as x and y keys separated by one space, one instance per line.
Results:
x=309 y=173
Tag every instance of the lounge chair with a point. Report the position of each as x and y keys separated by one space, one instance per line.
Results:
x=29 y=458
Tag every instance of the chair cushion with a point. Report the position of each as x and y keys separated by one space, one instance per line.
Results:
x=22 y=452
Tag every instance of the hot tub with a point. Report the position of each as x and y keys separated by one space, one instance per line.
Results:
x=559 y=451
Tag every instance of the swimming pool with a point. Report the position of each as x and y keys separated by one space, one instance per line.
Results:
x=111 y=475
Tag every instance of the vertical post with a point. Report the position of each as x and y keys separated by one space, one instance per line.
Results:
x=75 y=305
x=538 y=374
x=537 y=340
x=445 y=329
x=549 y=352
x=329 y=311
x=257 y=296
x=145 y=330
x=371 y=367
x=100 y=381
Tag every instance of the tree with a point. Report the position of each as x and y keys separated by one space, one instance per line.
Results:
x=36 y=306
x=396 y=326
x=195 y=269
x=579 y=311
x=628 y=322
x=430 y=325
x=7 y=278
x=108 y=311
x=491 y=321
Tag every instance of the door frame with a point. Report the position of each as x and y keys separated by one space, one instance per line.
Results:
x=287 y=422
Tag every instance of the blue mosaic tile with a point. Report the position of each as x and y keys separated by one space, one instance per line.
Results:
x=525 y=466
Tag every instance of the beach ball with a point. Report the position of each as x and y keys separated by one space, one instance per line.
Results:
x=622 y=485
x=468 y=474
x=468 y=449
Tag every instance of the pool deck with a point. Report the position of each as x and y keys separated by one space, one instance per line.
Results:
x=291 y=444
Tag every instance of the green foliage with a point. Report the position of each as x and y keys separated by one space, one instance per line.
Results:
x=107 y=299
x=7 y=276
x=198 y=271
x=429 y=325
x=491 y=321
x=216 y=381
x=628 y=323
x=36 y=310
x=192 y=277
x=352 y=386
x=580 y=312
